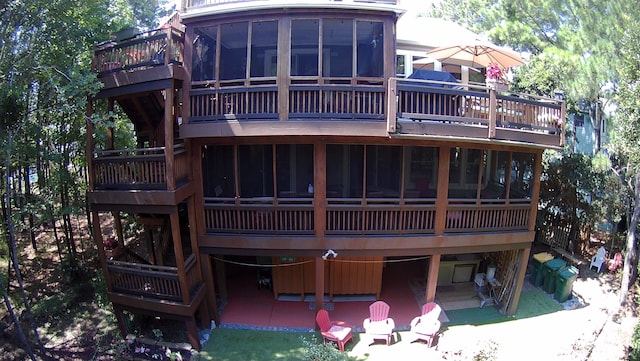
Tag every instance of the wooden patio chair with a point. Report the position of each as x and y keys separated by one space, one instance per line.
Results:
x=427 y=325
x=334 y=331
x=379 y=326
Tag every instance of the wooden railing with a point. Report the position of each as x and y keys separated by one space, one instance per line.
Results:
x=157 y=282
x=378 y=216
x=232 y=216
x=256 y=102
x=336 y=102
x=433 y=102
x=465 y=215
x=145 y=50
x=187 y=4
x=143 y=168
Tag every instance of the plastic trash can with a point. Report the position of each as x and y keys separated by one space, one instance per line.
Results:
x=549 y=271
x=564 y=283
x=536 y=277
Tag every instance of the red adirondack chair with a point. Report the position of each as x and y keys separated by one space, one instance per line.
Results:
x=426 y=326
x=379 y=326
x=615 y=262
x=334 y=331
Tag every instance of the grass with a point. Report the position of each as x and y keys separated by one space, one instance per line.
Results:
x=532 y=303
x=227 y=344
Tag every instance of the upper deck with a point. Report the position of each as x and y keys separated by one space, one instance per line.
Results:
x=276 y=98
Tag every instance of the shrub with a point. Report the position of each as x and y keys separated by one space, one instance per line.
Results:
x=317 y=350
x=634 y=352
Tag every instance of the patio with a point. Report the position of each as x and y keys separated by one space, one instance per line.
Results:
x=403 y=285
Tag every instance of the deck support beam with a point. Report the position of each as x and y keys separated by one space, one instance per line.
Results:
x=432 y=278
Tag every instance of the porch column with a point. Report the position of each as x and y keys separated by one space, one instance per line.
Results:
x=319 y=283
x=177 y=249
x=523 y=259
x=97 y=235
x=535 y=191
x=210 y=299
x=432 y=278
x=170 y=174
x=442 y=199
x=493 y=112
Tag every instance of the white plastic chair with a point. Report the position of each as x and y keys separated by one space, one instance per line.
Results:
x=598 y=259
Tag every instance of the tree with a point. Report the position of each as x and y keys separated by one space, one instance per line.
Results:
x=574 y=47
x=626 y=139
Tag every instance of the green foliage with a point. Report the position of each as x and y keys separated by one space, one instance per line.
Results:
x=317 y=350
x=100 y=289
x=57 y=304
x=572 y=187
x=634 y=353
x=72 y=271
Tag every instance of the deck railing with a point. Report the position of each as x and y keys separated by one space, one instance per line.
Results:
x=232 y=216
x=375 y=217
x=142 y=168
x=145 y=50
x=433 y=103
x=471 y=215
x=188 y=4
x=157 y=282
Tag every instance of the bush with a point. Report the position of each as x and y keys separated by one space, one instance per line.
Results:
x=317 y=350
x=634 y=353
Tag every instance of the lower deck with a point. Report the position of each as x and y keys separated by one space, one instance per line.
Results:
x=252 y=306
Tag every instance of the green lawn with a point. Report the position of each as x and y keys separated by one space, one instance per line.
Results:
x=226 y=344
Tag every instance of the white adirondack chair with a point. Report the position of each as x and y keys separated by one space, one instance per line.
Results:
x=598 y=259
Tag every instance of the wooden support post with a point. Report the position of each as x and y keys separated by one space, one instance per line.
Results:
x=221 y=278
x=97 y=235
x=320 y=263
x=170 y=174
x=177 y=249
x=192 y=333
x=209 y=283
x=443 y=190
x=432 y=278
x=523 y=259
x=320 y=189
x=535 y=191
x=493 y=113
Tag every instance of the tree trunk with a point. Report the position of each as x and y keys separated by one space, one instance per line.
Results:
x=16 y=322
x=13 y=250
x=629 y=270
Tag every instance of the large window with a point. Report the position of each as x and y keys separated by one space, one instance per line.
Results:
x=370 y=49
x=233 y=50
x=294 y=170
x=384 y=171
x=464 y=170
x=218 y=171
x=204 y=53
x=255 y=168
x=521 y=175
x=345 y=171
x=337 y=43
x=421 y=172
x=264 y=49
x=305 y=47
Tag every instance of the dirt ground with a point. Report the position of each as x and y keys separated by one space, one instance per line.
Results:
x=73 y=325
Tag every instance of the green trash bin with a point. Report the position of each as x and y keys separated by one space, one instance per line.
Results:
x=536 y=277
x=549 y=270
x=564 y=283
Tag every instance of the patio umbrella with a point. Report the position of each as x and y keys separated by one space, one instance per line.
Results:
x=476 y=54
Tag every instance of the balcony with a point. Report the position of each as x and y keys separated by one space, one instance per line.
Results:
x=376 y=217
x=146 y=50
x=196 y=4
x=138 y=169
x=153 y=282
